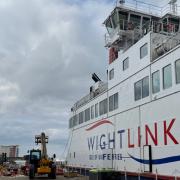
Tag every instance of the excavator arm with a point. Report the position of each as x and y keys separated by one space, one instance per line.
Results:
x=42 y=139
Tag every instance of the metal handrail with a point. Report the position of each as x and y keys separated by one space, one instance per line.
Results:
x=151 y=8
x=154 y=26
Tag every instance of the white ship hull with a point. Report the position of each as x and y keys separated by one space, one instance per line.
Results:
x=136 y=128
x=115 y=142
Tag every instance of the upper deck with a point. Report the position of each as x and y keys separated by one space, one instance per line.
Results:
x=136 y=40
x=129 y=22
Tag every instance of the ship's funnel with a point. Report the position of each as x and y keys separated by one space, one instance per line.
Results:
x=95 y=78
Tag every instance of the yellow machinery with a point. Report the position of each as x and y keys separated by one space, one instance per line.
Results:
x=39 y=162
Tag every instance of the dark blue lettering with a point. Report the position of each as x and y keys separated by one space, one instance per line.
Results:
x=102 y=144
x=97 y=143
x=104 y=156
x=91 y=142
x=120 y=132
x=111 y=140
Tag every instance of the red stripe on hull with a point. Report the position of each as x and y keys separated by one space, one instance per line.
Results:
x=99 y=123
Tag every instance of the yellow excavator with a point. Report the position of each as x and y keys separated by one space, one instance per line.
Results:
x=40 y=164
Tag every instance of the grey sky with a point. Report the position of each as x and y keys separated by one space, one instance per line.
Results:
x=48 y=51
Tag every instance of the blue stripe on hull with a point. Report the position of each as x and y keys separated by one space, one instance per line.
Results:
x=157 y=161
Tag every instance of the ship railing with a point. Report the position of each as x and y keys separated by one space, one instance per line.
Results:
x=82 y=101
x=125 y=26
x=169 y=39
x=165 y=28
x=113 y=34
x=103 y=87
x=151 y=8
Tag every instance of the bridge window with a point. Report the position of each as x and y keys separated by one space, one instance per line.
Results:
x=177 y=68
x=109 y=26
x=123 y=17
x=135 y=19
x=155 y=82
x=103 y=107
x=145 y=21
x=143 y=51
x=125 y=64
x=115 y=19
x=167 y=77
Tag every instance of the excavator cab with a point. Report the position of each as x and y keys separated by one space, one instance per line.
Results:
x=35 y=155
x=34 y=159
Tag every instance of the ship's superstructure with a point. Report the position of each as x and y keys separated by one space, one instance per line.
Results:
x=131 y=123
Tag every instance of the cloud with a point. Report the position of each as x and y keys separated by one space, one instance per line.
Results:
x=48 y=51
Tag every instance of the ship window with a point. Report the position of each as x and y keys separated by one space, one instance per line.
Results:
x=145 y=22
x=111 y=99
x=145 y=87
x=103 y=107
x=167 y=77
x=111 y=74
x=143 y=51
x=87 y=114
x=92 y=112
x=177 y=65
x=175 y=23
x=155 y=82
x=113 y=102
x=135 y=19
x=96 y=110
x=70 y=123
x=81 y=117
x=116 y=101
x=125 y=64
x=138 y=90
x=123 y=17
x=141 y=88
x=115 y=20
x=109 y=26
x=75 y=120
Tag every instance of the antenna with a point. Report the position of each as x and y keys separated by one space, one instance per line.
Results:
x=121 y=2
x=173 y=6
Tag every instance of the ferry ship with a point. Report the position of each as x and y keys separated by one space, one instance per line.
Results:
x=131 y=123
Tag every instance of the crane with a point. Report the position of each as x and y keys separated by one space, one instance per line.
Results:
x=43 y=139
x=40 y=164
